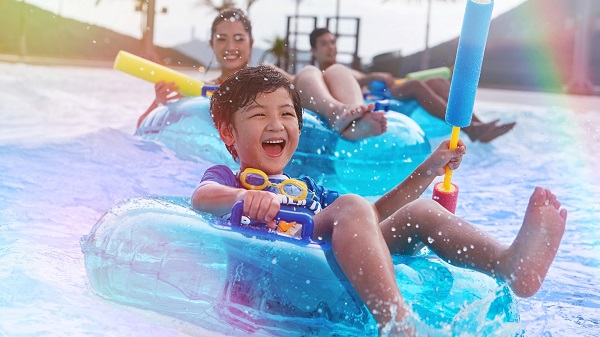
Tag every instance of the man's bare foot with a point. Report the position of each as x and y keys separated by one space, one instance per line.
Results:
x=496 y=132
x=477 y=129
x=532 y=252
x=371 y=124
x=343 y=115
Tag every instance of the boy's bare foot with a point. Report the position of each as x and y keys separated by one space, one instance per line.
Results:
x=496 y=132
x=477 y=129
x=371 y=124
x=534 y=248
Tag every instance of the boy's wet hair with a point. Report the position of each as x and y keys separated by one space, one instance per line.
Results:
x=241 y=89
x=315 y=34
x=232 y=14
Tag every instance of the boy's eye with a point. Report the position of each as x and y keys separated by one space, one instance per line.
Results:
x=238 y=37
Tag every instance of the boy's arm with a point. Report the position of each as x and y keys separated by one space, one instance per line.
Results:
x=218 y=200
x=215 y=198
x=417 y=182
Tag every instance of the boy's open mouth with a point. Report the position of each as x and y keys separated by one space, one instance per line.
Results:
x=274 y=147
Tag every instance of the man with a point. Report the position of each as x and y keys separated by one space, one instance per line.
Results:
x=432 y=94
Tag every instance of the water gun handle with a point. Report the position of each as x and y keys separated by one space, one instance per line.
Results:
x=302 y=218
x=154 y=72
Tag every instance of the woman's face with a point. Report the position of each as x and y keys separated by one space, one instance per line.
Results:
x=232 y=45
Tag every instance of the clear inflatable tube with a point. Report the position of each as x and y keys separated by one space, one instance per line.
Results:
x=159 y=254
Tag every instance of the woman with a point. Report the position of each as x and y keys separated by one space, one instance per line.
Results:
x=231 y=41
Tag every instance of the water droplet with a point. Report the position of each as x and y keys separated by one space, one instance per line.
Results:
x=430 y=239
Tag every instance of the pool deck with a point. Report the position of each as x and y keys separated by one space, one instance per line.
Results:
x=501 y=96
x=534 y=98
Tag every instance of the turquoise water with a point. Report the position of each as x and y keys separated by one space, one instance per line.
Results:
x=67 y=155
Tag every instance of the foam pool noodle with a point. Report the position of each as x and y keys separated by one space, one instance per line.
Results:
x=465 y=78
x=154 y=72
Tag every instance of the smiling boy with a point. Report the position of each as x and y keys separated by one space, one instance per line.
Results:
x=259 y=116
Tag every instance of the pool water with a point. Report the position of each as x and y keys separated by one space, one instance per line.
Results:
x=68 y=154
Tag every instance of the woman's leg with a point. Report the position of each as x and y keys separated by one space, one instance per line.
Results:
x=523 y=264
x=484 y=132
x=436 y=104
x=427 y=98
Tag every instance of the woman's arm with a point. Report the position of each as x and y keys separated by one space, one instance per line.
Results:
x=165 y=92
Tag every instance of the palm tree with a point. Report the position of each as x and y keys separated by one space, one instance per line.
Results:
x=278 y=48
x=148 y=9
x=225 y=4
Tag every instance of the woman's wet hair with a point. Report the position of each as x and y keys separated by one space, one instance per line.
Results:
x=232 y=14
x=241 y=90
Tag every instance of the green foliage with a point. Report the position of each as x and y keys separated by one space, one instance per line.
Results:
x=46 y=34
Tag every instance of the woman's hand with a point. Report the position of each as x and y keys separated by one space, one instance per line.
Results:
x=261 y=206
x=443 y=156
x=166 y=92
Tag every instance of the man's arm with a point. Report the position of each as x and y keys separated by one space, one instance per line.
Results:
x=364 y=79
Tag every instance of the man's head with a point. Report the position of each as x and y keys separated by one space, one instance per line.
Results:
x=323 y=47
x=259 y=115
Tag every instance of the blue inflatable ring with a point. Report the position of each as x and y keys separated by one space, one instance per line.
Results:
x=370 y=166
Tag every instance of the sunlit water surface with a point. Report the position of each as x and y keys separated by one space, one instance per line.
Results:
x=67 y=155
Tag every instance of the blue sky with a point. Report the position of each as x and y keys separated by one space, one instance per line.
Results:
x=395 y=25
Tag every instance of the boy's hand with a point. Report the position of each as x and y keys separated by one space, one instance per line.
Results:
x=443 y=156
x=261 y=206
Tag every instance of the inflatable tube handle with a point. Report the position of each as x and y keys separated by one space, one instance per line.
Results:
x=306 y=220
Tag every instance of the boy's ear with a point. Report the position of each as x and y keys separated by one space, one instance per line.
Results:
x=226 y=134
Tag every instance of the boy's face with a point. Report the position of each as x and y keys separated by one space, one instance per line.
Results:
x=265 y=133
x=325 y=50
x=231 y=44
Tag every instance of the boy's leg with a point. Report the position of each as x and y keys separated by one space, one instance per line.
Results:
x=360 y=250
x=524 y=264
